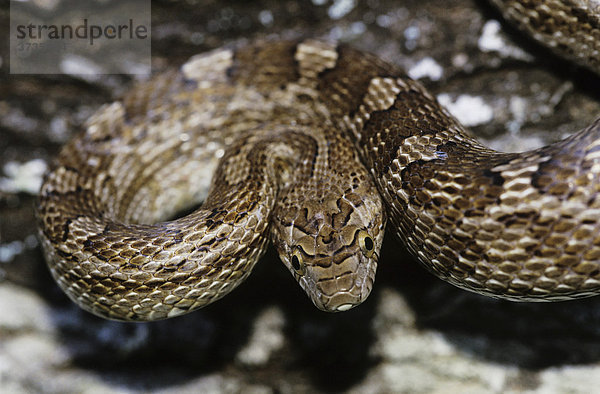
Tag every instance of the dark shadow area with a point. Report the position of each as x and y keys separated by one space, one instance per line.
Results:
x=528 y=335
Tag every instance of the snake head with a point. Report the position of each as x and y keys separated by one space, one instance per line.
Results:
x=332 y=248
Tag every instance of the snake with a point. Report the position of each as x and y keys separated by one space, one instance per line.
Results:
x=168 y=198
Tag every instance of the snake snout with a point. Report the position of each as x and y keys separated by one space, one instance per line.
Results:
x=343 y=285
x=342 y=302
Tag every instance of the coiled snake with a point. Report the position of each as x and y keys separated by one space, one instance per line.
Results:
x=314 y=146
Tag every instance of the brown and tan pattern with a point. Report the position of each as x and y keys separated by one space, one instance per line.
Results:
x=570 y=28
x=313 y=146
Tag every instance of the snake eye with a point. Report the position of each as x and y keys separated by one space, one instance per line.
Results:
x=297 y=262
x=366 y=243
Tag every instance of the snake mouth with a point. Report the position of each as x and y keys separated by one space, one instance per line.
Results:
x=339 y=302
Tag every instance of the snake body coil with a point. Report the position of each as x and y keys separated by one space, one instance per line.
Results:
x=313 y=146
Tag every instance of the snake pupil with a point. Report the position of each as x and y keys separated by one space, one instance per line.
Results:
x=295 y=263
x=369 y=245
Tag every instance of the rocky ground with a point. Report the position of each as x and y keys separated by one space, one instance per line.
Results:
x=414 y=334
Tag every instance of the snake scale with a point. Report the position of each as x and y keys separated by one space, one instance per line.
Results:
x=314 y=146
